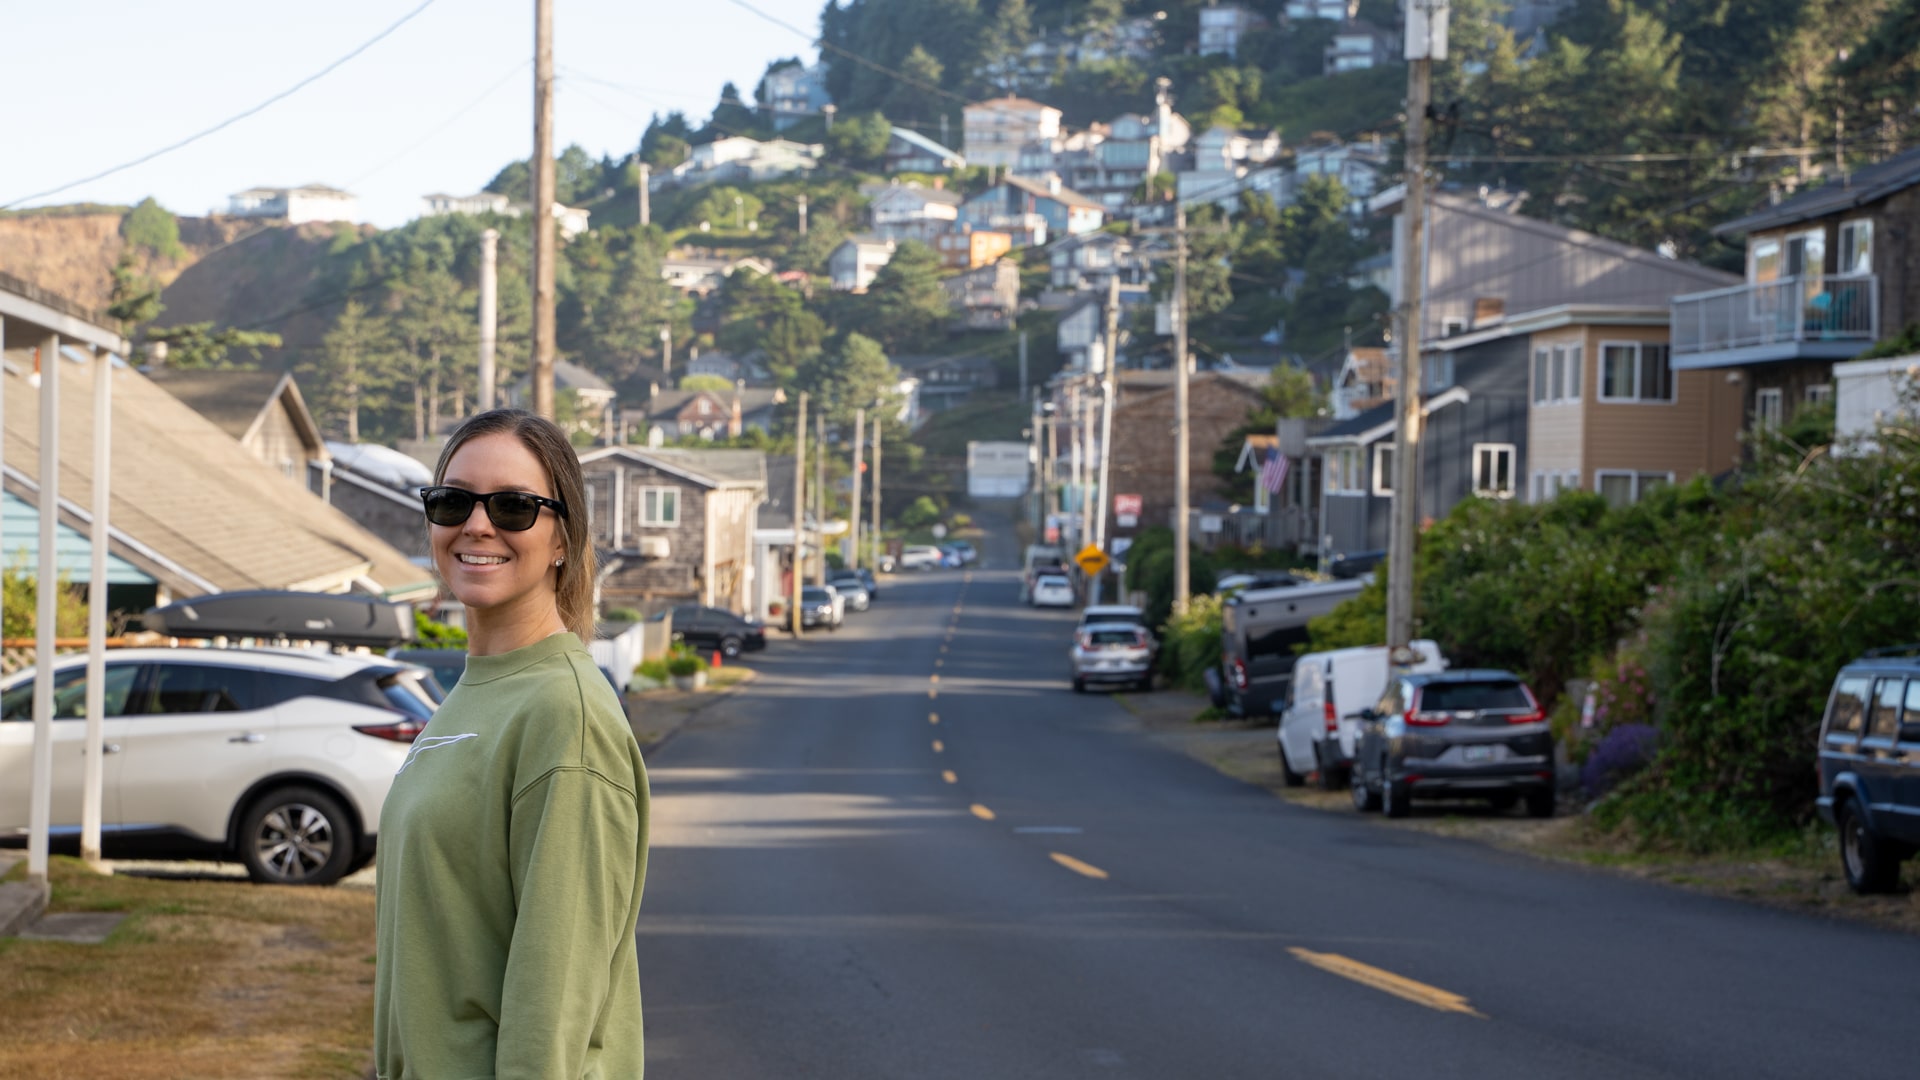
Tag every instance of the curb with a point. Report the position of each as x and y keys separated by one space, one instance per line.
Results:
x=688 y=716
x=20 y=904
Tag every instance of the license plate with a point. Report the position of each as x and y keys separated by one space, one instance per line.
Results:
x=1474 y=754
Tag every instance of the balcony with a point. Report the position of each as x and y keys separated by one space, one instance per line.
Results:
x=1790 y=319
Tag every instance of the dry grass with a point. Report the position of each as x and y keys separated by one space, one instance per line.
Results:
x=212 y=979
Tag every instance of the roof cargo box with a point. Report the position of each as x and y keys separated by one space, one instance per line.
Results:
x=337 y=618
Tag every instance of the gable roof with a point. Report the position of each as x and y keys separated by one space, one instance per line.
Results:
x=1065 y=196
x=668 y=403
x=921 y=142
x=187 y=504
x=1841 y=193
x=708 y=468
x=1009 y=102
x=238 y=402
x=1378 y=422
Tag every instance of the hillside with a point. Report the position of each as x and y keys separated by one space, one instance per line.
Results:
x=71 y=254
x=263 y=281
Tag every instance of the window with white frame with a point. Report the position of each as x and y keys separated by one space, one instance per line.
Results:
x=659 y=506
x=1767 y=409
x=1820 y=394
x=1541 y=358
x=1557 y=375
x=1856 y=247
x=1569 y=359
x=1621 y=487
x=1343 y=471
x=1383 y=469
x=1493 y=474
x=1635 y=372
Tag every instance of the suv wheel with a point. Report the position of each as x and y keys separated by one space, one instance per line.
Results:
x=1364 y=799
x=1870 y=862
x=296 y=836
x=1395 y=800
x=1540 y=803
x=730 y=647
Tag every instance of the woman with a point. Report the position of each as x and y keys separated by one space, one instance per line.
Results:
x=513 y=845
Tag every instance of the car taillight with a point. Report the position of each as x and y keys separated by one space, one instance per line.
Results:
x=1333 y=719
x=402 y=731
x=1240 y=674
x=1086 y=641
x=1140 y=640
x=1533 y=717
x=1426 y=719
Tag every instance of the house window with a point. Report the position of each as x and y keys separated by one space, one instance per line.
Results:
x=1767 y=409
x=1493 y=470
x=1570 y=359
x=1622 y=488
x=1820 y=394
x=1383 y=469
x=1635 y=371
x=1450 y=327
x=1557 y=375
x=1763 y=260
x=659 y=506
x=1559 y=385
x=1343 y=471
x=1541 y=358
x=1856 y=247
x=1439 y=372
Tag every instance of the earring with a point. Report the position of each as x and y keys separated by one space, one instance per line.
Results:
x=559 y=561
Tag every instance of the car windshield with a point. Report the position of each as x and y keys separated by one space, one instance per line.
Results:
x=813 y=593
x=1053 y=582
x=1118 y=615
x=1112 y=636
x=1474 y=696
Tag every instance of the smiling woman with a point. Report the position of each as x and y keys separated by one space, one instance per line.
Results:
x=512 y=857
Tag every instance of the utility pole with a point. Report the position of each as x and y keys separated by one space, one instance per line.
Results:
x=1426 y=42
x=489 y=315
x=799 y=510
x=1181 y=436
x=1048 y=465
x=803 y=215
x=666 y=350
x=853 y=504
x=820 y=490
x=543 y=190
x=1087 y=467
x=93 y=776
x=1106 y=418
x=1023 y=365
x=879 y=533
x=646 y=194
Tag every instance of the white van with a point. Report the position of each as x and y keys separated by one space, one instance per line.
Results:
x=1316 y=734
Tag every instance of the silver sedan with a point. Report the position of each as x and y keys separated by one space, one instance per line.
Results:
x=1112 y=654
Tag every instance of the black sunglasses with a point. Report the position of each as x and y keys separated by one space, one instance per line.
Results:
x=513 y=511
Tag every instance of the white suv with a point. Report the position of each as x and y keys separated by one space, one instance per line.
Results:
x=276 y=758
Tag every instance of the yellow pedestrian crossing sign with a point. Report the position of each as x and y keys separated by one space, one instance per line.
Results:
x=1092 y=560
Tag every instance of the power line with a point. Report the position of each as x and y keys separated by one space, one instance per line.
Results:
x=231 y=120
x=445 y=124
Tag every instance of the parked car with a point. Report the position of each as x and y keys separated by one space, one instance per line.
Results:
x=1452 y=735
x=1355 y=564
x=853 y=587
x=1114 y=613
x=447 y=665
x=1317 y=732
x=1870 y=765
x=873 y=587
x=1052 y=590
x=950 y=556
x=967 y=552
x=920 y=557
x=885 y=563
x=1229 y=584
x=1112 y=654
x=279 y=759
x=1259 y=630
x=708 y=628
x=818 y=608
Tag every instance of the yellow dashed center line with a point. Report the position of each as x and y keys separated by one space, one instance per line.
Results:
x=933 y=718
x=939 y=747
x=933 y=692
x=1398 y=985
x=937 y=662
x=1078 y=867
x=981 y=812
x=949 y=777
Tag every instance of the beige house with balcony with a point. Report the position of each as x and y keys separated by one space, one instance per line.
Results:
x=1607 y=412
x=1829 y=272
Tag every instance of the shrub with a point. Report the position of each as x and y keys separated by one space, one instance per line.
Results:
x=624 y=614
x=1192 y=644
x=682 y=666
x=919 y=514
x=653 y=669
x=1621 y=753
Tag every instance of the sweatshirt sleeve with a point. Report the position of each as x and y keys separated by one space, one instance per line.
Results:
x=574 y=847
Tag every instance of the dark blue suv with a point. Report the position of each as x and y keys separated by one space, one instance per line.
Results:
x=1870 y=765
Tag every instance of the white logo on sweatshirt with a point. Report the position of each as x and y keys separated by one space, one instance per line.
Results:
x=421 y=746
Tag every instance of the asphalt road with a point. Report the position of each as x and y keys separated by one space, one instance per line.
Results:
x=842 y=887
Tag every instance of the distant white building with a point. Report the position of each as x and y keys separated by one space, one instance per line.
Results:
x=313 y=202
x=1330 y=10
x=1226 y=162
x=857 y=261
x=1110 y=162
x=486 y=202
x=1357 y=165
x=1221 y=28
x=995 y=130
x=738 y=159
x=795 y=93
x=1357 y=46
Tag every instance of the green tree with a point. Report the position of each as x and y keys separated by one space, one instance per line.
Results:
x=854 y=374
x=432 y=317
x=731 y=116
x=135 y=298
x=913 y=98
x=906 y=305
x=199 y=345
x=667 y=142
x=860 y=141
x=149 y=228
x=1006 y=35
x=353 y=368
x=715 y=384
x=22 y=607
x=757 y=312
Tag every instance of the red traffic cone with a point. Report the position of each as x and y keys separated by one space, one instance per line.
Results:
x=716 y=658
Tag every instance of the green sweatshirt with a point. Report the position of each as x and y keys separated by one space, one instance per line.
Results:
x=513 y=849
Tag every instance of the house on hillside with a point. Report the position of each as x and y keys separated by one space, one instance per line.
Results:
x=1223 y=26
x=176 y=478
x=1143 y=420
x=1829 y=272
x=910 y=151
x=899 y=211
x=968 y=248
x=1357 y=165
x=700 y=273
x=593 y=397
x=857 y=261
x=947 y=382
x=737 y=159
x=1016 y=204
x=296 y=205
x=1359 y=45
x=1328 y=10
x=1366 y=379
x=485 y=202
x=1086 y=262
x=986 y=297
x=1287 y=519
x=704 y=414
x=795 y=94
x=994 y=131
x=674 y=526
x=749 y=369
x=264 y=412
x=1227 y=162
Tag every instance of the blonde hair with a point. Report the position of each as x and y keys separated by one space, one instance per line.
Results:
x=573 y=589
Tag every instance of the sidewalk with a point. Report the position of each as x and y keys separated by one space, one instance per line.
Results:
x=656 y=716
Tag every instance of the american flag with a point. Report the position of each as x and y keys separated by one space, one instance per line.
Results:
x=1273 y=474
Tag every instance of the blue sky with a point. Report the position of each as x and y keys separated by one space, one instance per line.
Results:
x=440 y=105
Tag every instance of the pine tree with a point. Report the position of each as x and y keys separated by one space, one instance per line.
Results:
x=352 y=370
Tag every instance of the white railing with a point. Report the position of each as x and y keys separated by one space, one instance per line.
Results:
x=1837 y=309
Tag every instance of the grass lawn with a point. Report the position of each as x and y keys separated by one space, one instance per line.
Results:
x=203 y=979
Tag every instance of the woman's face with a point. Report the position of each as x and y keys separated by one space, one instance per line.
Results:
x=492 y=569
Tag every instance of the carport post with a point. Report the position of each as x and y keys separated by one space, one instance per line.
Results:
x=46 y=588
x=97 y=609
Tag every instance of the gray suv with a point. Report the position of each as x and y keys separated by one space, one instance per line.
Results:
x=1454 y=735
x=1870 y=765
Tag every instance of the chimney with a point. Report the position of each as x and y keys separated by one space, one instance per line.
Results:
x=1053 y=183
x=653 y=391
x=939 y=183
x=734 y=424
x=1488 y=310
